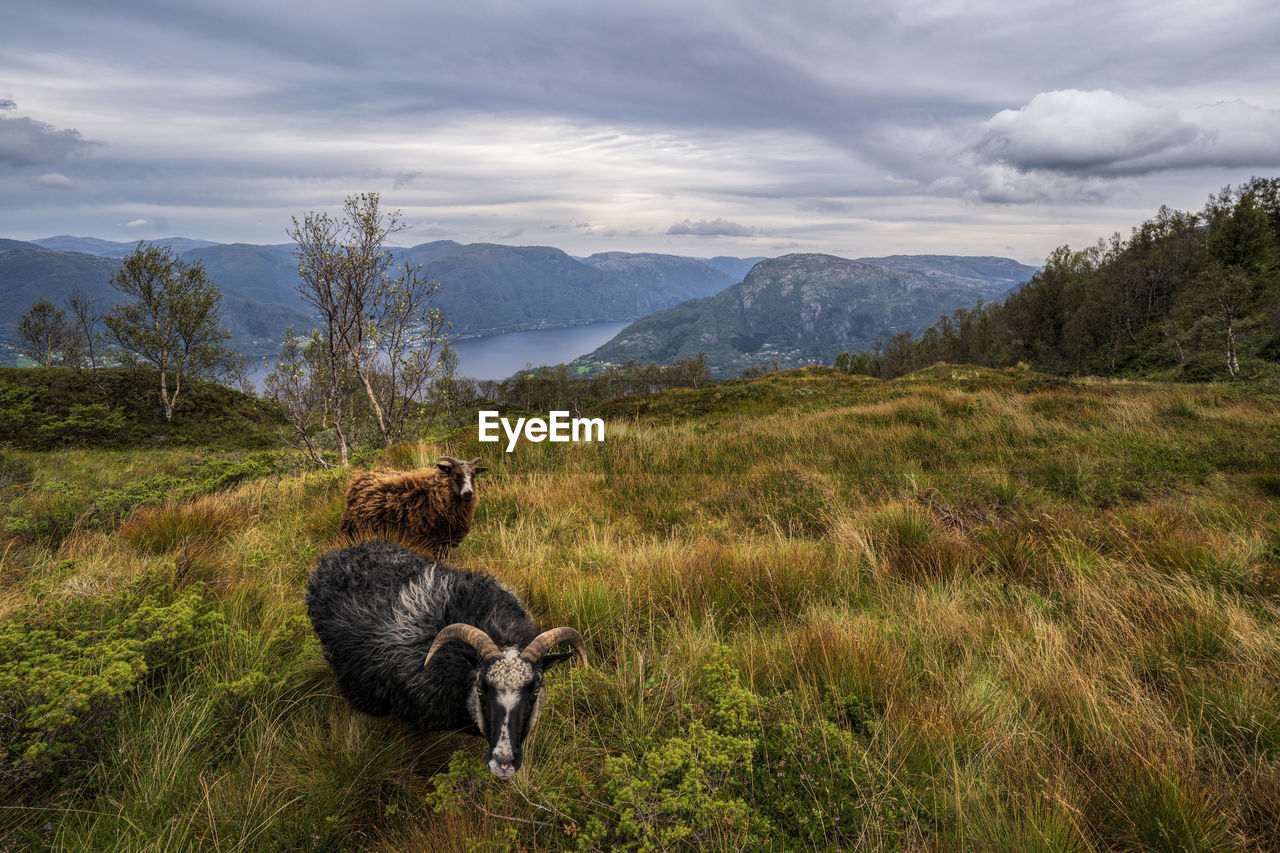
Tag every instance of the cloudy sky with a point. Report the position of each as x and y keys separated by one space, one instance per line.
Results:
x=707 y=128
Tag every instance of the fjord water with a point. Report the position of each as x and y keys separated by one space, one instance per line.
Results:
x=499 y=356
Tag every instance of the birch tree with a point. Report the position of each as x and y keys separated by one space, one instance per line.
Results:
x=43 y=333
x=171 y=322
x=377 y=319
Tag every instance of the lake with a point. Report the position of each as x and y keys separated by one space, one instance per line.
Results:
x=499 y=356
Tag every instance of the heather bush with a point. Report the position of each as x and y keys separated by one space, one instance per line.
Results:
x=65 y=671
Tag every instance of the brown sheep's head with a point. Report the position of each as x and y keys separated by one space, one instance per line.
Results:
x=462 y=475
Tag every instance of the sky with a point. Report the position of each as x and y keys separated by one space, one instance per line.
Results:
x=710 y=128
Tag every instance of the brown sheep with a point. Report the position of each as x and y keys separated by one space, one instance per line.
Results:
x=429 y=509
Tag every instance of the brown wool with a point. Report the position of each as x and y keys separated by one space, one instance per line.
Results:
x=418 y=509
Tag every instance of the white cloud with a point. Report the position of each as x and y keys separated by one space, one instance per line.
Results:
x=949 y=185
x=1103 y=134
x=137 y=223
x=712 y=228
x=1072 y=131
x=1003 y=184
x=53 y=181
x=1232 y=133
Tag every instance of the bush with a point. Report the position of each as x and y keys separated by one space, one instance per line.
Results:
x=731 y=771
x=15 y=472
x=65 y=673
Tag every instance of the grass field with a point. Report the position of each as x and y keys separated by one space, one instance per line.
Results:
x=963 y=610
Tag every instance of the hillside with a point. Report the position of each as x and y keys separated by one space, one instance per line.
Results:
x=801 y=309
x=1186 y=296
x=670 y=279
x=735 y=268
x=489 y=288
x=46 y=408
x=29 y=273
x=265 y=273
x=965 y=609
x=983 y=273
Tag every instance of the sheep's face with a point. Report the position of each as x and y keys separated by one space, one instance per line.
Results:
x=462 y=476
x=505 y=702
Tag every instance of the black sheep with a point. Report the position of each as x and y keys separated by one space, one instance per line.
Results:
x=387 y=620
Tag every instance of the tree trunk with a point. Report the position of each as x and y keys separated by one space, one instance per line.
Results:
x=1233 y=364
x=164 y=396
x=373 y=401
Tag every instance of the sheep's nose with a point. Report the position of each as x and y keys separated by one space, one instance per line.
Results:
x=503 y=767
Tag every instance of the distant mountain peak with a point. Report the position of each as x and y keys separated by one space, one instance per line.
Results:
x=116 y=249
x=807 y=307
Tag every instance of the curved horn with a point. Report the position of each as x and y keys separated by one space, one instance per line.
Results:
x=542 y=643
x=469 y=634
x=448 y=459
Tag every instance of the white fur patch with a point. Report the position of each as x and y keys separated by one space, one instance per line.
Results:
x=419 y=599
x=509 y=672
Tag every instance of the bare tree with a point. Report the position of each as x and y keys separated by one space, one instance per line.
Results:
x=43 y=333
x=297 y=382
x=83 y=325
x=171 y=324
x=378 y=321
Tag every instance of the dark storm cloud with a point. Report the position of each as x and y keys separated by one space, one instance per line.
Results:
x=27 y=142
x=515 y=114
x=7 y=104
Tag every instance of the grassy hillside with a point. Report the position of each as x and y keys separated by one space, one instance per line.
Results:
x=45 y=408
x=965 y=609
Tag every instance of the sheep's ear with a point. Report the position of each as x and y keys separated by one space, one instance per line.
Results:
x=475 y=464
x=549 y=661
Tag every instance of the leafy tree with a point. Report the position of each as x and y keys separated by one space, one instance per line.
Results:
x=1221 y=294
x=1243 y=237
x=377 y=320
x=43 y=332
x=171 y=323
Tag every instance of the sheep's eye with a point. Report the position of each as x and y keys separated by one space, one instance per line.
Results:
x=479 y=689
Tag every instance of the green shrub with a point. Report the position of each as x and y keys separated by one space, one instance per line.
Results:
x=15 y=472
x=43 y=408
x=64 y=673
x=731 y=770
x=190 y=481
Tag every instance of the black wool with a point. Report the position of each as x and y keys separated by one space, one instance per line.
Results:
x=377 y=608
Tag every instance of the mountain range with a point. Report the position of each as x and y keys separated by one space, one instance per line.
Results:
x=806 y=308
x=487 y=288
x=739 y=311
